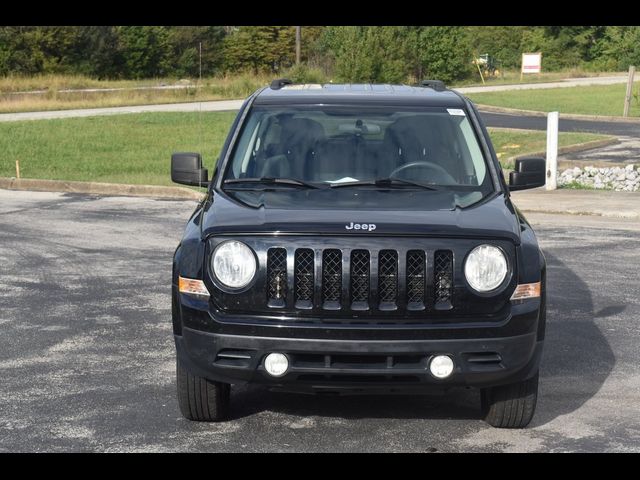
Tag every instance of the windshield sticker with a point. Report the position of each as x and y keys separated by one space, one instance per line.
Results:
x=456 y=111
x=343 y=180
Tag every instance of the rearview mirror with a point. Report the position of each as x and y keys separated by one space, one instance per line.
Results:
x=528 y=173
x=186 y=168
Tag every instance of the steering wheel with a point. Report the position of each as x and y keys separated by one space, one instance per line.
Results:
x=424 y=164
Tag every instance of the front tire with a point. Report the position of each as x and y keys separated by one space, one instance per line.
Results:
x=200 y=399
x=510 y=406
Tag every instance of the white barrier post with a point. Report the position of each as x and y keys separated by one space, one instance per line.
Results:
x=627 y=97
x=552 y=151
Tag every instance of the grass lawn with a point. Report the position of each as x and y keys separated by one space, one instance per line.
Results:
x=136 y=148
x=589 y=100
x=130 y=148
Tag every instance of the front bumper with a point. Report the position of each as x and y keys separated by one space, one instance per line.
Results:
x=346 y=365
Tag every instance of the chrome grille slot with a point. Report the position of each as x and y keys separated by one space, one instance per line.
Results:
x=416 y=279
x=388 y=279
x=303 y=281
x=360 y=273
x=276 y=277
x=331 y=279
x=443 y=279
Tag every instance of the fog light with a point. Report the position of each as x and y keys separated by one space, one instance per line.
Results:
x=441 y=366
x=276 y=364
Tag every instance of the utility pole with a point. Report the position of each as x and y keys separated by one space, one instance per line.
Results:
x=298 y=42
x=200 y=47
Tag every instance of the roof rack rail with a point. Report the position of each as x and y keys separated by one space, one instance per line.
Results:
x=437 y=85
x=278 y=83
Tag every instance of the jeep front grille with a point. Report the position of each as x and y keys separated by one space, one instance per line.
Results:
x=383 y=280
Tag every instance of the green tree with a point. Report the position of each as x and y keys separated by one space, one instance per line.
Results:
x=347 y=50
x=562 y=47
x=501 y=42
x=398 y=54
x=185 y=51
x=266 y=49
x=617 y=49
x=32 y=50
x=444 y=53
x=367 y=54
x=145 y=51
x=100 y=52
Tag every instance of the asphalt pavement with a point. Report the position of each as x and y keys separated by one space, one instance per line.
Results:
x=529 y=122
x=87 y=356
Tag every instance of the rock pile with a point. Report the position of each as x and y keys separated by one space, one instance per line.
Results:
x=612 y=178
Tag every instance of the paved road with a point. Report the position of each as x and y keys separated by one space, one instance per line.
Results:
x=217 y=106
x=504 y=120
x=626 y=151
x=87 y=359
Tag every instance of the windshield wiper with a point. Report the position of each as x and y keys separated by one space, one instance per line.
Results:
x=291 y=182
x=385 y=182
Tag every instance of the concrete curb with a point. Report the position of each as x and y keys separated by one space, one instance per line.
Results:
x=578 y=212
x=97 y=188
x=570 y=116
x=621 y=205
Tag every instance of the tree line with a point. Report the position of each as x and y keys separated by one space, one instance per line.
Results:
x=349 y=53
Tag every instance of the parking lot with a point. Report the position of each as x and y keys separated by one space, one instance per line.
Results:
x=87 y=358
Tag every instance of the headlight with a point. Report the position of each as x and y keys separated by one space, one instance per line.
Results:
x=485 y=268
x=234 y=264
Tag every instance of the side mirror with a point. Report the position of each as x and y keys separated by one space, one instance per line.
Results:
x=528 y=173
x=186 y=168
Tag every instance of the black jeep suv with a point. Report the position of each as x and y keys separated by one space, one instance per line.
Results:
x=354 y=239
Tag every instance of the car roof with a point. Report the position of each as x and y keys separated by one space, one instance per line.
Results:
x=359 y=93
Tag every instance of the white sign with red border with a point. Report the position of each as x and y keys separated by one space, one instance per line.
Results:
x=531 y=62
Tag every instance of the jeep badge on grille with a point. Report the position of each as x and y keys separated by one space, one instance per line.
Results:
x=369 y=227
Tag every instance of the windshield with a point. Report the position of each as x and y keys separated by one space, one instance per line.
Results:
x=333 y=145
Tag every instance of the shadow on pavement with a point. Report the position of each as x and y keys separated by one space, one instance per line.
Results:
x=458 y=404
x=576 y=361
x=577 y=358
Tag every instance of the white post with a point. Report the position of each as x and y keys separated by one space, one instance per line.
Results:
x=627 y=97
x=552 y=151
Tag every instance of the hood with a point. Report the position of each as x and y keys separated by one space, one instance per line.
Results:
x=357 y=212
